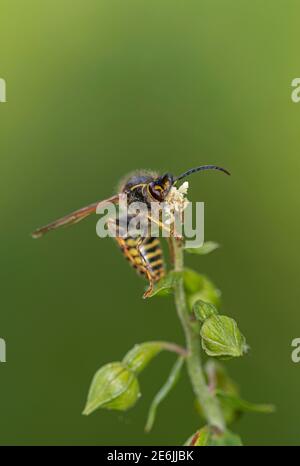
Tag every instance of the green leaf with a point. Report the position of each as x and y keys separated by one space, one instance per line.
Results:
x=114 y=386
x=140 y=355
x=163 y=392
x=166 y=285
x=200 y=287
x=203 y=310
x=237 y=403
x=206 y=248
x=208 y=437
x=222 y=338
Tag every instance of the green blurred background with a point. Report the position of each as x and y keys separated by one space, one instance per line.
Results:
x=98 y=88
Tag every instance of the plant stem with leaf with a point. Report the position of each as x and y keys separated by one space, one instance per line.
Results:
x=207 y=400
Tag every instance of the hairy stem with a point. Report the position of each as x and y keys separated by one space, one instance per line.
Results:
x=208 y=401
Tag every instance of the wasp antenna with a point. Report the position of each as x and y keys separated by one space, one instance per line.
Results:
x=198 y=169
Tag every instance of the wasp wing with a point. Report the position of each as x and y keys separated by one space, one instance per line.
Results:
x=74 y=217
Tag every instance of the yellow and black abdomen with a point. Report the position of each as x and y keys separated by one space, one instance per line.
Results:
x=152 y=253
x=145 y=256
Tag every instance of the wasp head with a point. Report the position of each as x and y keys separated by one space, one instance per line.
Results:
x=160 y=187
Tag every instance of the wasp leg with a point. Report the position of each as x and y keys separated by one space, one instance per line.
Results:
x=170 y=231
x=139 y=244
x=149 y=290
x=160 y=224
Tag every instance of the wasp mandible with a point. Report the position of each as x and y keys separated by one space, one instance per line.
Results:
x=143 y=253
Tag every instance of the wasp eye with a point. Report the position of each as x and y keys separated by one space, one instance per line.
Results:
x=156 y=191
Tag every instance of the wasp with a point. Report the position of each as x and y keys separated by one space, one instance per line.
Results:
x=144 y=253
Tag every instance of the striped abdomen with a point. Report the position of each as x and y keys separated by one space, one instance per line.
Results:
x=146 y=256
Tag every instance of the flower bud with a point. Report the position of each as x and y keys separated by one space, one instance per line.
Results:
x=114 y=386
x=222 y=338
x=203 y=310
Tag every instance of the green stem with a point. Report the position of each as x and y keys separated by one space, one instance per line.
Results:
x=208 y=401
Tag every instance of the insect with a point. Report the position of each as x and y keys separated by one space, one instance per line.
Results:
x=143 y=253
